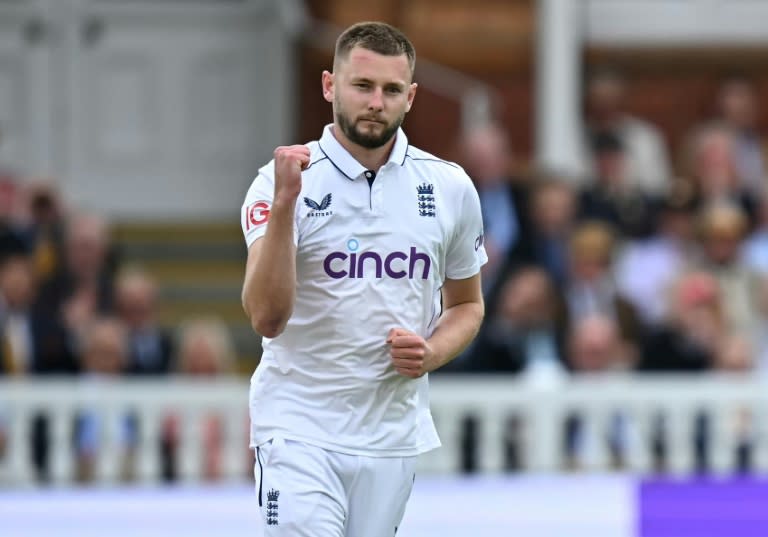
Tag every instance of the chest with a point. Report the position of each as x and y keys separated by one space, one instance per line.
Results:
x=388 y=222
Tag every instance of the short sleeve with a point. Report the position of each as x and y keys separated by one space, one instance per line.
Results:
x=466 y=251
x=254 y=214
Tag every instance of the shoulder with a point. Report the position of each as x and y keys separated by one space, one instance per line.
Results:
x=418 y=157
x=427 y=167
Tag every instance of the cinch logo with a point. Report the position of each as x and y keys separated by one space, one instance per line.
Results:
x=397 y=265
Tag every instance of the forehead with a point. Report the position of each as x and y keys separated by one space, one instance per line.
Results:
x=363 y=63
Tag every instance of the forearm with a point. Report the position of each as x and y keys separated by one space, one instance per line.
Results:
x=456 y=328
x=270 y=283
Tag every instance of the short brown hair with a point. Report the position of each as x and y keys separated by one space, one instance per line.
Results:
x=378 y=37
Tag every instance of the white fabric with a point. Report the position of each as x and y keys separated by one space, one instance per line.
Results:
x=369 y=258
x=307 y=491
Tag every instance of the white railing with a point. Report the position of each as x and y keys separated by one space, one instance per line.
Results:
x=736 y=407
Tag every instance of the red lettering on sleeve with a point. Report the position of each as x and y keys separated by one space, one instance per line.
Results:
x=257 y=214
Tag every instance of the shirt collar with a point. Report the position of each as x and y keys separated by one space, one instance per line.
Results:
x=347 y=164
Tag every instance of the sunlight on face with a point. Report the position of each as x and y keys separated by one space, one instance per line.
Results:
x=372 y=94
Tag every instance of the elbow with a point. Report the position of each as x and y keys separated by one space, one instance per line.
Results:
x=268 y=316
x=270 y=329
x=262 y=322
x=268 y=325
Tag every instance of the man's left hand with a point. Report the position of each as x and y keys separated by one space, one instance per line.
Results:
x=411 y=354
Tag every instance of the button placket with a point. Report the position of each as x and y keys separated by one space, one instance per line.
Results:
x=376 y=193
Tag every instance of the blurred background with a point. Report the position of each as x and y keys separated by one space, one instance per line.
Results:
x=619 y=148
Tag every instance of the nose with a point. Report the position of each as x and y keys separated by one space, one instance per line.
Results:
x=377 y=100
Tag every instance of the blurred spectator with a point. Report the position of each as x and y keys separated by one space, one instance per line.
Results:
x=149 y=345
x=553 y=214
x=646 y=269
x=488 y=159
x=47 y=229
x=524 y=333
x=723 y=227
x=104 y=352
x=709 y=162
x=32 y=342
x=205 y=351
x=737 y=106
x=689 y=340
x=611 y=198
x=734 y=355
x=591 y=289
x=755 y=250
x=83 y=288
x=17 y=291
x=647 y=162
x=595 y=345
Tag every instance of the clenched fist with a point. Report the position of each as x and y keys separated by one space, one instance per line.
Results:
x=290 y=161
x=411 y=354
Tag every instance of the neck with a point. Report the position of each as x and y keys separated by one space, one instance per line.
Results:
x=371 y=159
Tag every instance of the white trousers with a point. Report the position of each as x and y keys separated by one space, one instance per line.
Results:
x=306 y=491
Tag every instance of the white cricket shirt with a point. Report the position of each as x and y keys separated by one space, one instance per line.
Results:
x=369 y=258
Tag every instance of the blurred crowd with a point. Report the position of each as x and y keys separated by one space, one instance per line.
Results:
x=69 y=306
x=636 y=260
x=640 y=260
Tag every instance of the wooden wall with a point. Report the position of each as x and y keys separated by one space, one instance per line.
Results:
x=494 y=41
x=491 y=40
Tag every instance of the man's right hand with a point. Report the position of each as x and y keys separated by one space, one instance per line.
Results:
x=290 y=161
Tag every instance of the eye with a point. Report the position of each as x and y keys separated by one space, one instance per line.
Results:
x=394 y=90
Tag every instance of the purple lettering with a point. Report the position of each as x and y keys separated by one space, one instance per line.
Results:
x=415 y=256
x=397 y=274
x=357 y=265
x=352 y=265
x=336 y=274
x=361 y=261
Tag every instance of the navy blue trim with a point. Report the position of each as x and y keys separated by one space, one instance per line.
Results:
x=334 y=164
x=315 y=162
x=261 y=472
x=405 y=154
x=434 y=160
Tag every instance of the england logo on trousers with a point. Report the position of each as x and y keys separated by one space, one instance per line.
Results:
x=272 y=514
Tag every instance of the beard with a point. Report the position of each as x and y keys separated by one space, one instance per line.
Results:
x=368 y=140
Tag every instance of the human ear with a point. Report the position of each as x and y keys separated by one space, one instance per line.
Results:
x=328 y=83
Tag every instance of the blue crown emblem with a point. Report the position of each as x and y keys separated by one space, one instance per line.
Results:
x=426 y=199
x=273 y=495
x=425 y=189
